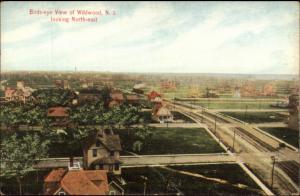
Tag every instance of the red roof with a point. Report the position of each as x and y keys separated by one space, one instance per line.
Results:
x=9 y=92
x=117 y=96
x=153 y=94
x=58 y=111
x=80 y=182
x=55 y=175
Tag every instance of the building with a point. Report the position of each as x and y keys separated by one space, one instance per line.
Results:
x=20 y=85
x=58 y=115
x=294 y=108
x=21 y=93
x=103 y=152
x=268 y=90
x=237 y=93
x=76 y=182
x=117 y=97
x=132 y=99
x=163 y=115
x=89 y=94
x=152 y=95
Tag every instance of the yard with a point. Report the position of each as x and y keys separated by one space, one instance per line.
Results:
x=179 y=117
x=284 y=133
x=169 y=141
x=257 y=117
x=163 y=181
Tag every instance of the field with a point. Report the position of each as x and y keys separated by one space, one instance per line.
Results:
x=233 y=105
x=257 y=117
x=286 y=134
x=162 y=181
x=170 y=141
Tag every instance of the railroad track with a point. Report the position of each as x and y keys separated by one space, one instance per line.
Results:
x=291 y=168
x=255 y=141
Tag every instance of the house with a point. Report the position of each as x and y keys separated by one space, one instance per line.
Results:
x=103 y=152
x=89 y=94
x=117 y=96
x=9 y=94
x=19 y=94
x=268 y=90
x=163 y=115
x=58 y=115
x=237 y=93
x=132 y=99
x=20 y=85
x=153 y=94
x=76 y=182
x=58 y=84
x=115 y=184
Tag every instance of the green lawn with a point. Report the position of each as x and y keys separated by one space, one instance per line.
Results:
x=161 y=181
x=233 y=105
x=170 y=141
x=257 y=117
x=284 y=133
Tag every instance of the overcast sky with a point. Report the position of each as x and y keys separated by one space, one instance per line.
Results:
x=188 y=37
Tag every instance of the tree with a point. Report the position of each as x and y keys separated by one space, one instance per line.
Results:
x=19 y=155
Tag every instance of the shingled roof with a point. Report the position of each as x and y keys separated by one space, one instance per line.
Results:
x=79 y=182
x=58 y=112
x=112 y=142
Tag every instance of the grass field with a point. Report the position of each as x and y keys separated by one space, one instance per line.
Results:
x=171 y=141
x=233 y=105
x=257 y=117
x=161 y=181
x=284 y=133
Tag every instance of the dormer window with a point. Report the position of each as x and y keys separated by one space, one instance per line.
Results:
x=98 y=143
x=112 y=153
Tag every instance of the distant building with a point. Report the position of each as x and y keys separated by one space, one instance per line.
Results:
x=89 y=94
x=66 y=84
x=294 y=112
x=21 y=93
x=103 y=152
x=237 y=93
x=132 y=99
x=117 y=97
x=168 y=85
x=76 y=182
x=152 y=95
x=163 y=115
x=59 y=84
x=58 y=115
x=268 y=90
x=20 y=85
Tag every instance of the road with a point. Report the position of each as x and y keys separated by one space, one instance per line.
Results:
x=148 y=160
x=251 y=146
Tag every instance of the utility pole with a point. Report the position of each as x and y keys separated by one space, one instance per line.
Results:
x=233 y=140
x=215 y=124
x=273 y=159
x=245 y=113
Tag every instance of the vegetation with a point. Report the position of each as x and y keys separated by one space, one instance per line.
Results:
x=18 y=156
x=157 y=180
x=257 y=117
x=284 y=133
x=168 y=141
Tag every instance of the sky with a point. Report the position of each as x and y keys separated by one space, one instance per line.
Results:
x=169 y=37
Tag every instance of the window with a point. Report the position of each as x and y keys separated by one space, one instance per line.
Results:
x=98 y=143
x=117 y=167
x=94 y=152
x=61 y=193
x=112 y=153
x=112 y=192
x=101 y=166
